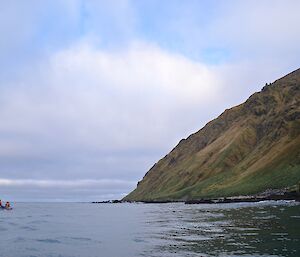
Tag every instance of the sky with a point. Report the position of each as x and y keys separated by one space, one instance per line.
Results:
x=93 y=93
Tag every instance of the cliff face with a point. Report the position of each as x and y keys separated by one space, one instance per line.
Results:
x=247 y=149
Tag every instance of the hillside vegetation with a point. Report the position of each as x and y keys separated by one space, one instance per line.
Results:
x=246 y=150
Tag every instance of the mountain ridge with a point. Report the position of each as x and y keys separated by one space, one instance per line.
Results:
x=247 y=149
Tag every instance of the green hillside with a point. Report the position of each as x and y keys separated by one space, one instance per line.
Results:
x=247 y=149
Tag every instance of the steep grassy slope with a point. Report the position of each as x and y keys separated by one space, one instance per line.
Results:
x=247 y=149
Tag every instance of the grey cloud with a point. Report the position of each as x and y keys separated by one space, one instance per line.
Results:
x=90 y=114
x=85 y=183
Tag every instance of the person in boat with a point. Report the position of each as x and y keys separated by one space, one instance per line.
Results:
x=7 y=205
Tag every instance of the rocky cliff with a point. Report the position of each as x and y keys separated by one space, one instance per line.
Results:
x=249 y=148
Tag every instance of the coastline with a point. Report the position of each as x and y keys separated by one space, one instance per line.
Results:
x=288 y=196
x=269 y=195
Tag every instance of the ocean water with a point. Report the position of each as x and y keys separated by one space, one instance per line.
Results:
x=129 y=230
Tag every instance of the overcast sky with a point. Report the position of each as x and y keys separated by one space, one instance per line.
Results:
x=93 y=93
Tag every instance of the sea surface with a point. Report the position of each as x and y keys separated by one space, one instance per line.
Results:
x=129 y=230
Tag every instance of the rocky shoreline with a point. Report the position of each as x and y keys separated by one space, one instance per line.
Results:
x=288 y=196
x=108 y=201
x=269 y=195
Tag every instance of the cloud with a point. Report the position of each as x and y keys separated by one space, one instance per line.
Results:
x=83 y=183
x=87 y=114
x=112 y=22
x=28 y=28
x=63 y=190
x=261 y=34
x=93 y=98
x=234 y=31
